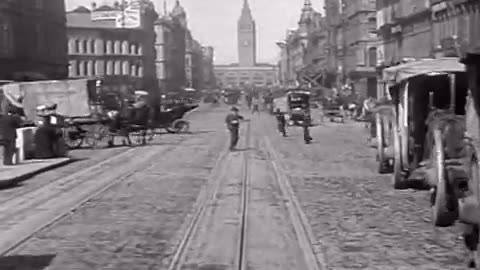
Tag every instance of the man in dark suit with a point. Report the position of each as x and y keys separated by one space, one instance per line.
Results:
x=8 y=134
x=233 y=124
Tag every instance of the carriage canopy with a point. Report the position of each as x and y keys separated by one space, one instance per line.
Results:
x=397 y=74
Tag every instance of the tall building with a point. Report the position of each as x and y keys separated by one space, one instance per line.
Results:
x=246 y=37
x=247 y=72
x=33 y=43
x=101 y=44
x=179 y=61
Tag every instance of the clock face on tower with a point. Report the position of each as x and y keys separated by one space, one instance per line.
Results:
x=246 y=43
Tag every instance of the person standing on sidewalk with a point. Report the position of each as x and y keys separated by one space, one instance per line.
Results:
x=233 y=125
x=281 y=122
x=8 y=134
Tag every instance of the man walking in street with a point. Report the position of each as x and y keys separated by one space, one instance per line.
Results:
x=9 y=123
x=233 y=124
x=281 y=122
x=307 y=121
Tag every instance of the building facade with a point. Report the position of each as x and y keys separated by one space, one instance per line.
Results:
x=99 y=45
x=359 y=36
x=180 y=58
x=232 y=76
x=455 y=26
x=303 y=55
x=208 y=67
x=246 y=37
x=33 y=43
x=247 y=72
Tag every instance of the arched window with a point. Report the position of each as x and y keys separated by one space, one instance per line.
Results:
x=117 y=48
x=139 y=50
x=117 y=68
x=72 y=69
x=126 y=68
x=89 y=68
x=133 y=70
x=125 y=47
x=78 y=46
x=71 y=46
x=140 y=71
x=81 y=69
x=372 y=57
x=85 y=47
x=92 y=46
x=133 y=49
x=109 y=68
x=94 y=68
x=86 y=69
x=109 y=47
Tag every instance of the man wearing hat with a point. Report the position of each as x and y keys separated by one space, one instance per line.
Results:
x=233 y=124
x=140 y=104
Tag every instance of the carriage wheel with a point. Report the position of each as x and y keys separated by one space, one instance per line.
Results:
x=398 y=177
x=445 y=206
x=95 y=135
x=137 y=138
x=74 y=141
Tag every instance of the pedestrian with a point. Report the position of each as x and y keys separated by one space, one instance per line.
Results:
x=281 y=122
x=306 y=128
x=8 y=134
x=233 y=125
x=255 y=106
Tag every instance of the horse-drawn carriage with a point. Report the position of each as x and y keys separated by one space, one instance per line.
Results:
x=333 y=111
x=436 y=138
x=115 y=115
x=298 y=107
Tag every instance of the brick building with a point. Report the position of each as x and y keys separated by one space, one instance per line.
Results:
x=33 y=42
x=101 y=44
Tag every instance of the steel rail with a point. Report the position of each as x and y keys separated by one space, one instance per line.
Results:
x=210 y=197
x=298 y=218
x=76 y=180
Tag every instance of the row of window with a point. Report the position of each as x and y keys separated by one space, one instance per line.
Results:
x=100 y=68
x=90 y=46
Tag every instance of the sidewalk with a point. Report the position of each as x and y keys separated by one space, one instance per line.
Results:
x=13 y=174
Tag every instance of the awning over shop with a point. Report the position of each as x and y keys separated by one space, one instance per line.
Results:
x=422 y=67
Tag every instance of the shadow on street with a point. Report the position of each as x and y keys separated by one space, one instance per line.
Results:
x=26 y=262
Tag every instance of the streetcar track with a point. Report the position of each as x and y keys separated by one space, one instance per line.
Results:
x=299 y=220
x=207 y=199
x=300 y=225
x=6 y=246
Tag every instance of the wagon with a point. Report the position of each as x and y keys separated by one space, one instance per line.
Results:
x=381 y=126
x=333 y=112
x=429 y=98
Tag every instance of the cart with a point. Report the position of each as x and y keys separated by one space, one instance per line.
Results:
x=334 y=112
x=429 y=98
x=298 y=107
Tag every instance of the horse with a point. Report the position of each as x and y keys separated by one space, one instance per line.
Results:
x=124 y=122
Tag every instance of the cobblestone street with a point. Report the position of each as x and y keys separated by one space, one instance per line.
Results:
x=357 y=219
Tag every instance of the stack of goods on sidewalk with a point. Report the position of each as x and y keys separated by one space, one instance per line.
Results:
x=29 y=131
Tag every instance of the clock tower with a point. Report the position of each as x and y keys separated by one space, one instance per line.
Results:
x=246 y=37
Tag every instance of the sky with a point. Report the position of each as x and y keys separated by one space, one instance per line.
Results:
x=214 y=23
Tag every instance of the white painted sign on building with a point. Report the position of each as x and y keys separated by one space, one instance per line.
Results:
x=131 y=17
x=105 y=15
